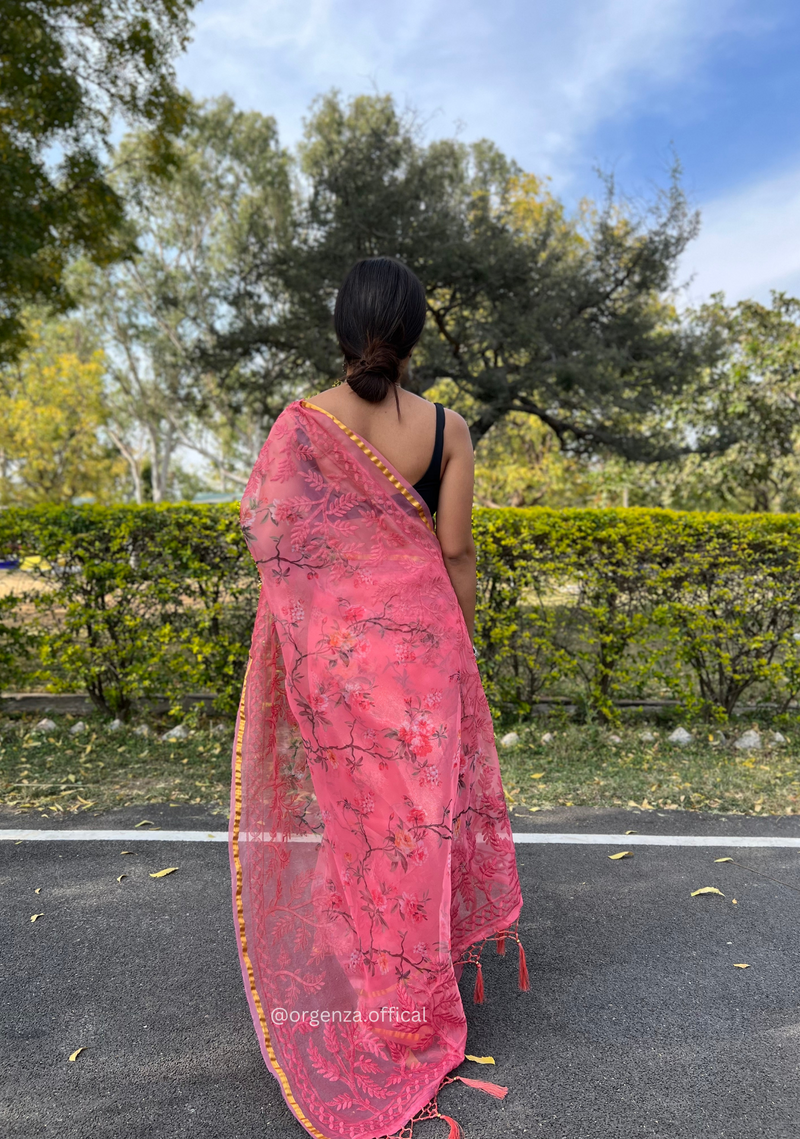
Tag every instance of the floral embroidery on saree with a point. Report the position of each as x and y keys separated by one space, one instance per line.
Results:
x=370 y=844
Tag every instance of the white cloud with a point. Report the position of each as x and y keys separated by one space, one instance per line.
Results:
x=749 y=242
x=536 y=77
x=539 y=78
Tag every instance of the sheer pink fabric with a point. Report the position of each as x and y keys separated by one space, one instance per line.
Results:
x=370 y=842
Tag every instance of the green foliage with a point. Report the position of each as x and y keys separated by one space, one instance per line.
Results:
x=564 y=318
x=602 y=604
x=197 y=235
x=51 y=409
x=68 y=68
x=754 y=391
x=626 y=601
x=136 y=601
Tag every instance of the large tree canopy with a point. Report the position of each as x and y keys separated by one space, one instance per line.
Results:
x=68 y=69
x=568 y=318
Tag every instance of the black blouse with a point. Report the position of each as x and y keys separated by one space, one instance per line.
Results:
x=428 y=486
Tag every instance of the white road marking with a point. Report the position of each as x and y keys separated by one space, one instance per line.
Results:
x=521 y=838
x=661 y=839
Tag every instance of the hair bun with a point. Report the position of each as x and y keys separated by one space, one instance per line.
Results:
x=372 y=375
x=378 y=317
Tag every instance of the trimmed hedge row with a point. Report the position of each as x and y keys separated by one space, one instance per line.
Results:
x=705 y=607
x=131 y=601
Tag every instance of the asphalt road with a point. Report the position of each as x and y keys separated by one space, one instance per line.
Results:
x=637 y=1023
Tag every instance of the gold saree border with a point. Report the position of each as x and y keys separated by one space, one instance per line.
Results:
x=237 y=815
x=375 y=459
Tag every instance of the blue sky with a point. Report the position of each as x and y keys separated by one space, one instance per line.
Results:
x=562 y=87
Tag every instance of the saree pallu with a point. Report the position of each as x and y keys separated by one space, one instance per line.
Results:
x=369 y=840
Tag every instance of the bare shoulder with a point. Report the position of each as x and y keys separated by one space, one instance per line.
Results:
x=326 y=399
x=456 y=432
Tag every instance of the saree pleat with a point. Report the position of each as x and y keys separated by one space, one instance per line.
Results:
x=369 y=840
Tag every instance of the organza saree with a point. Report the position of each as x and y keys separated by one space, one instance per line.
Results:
x=369 y=839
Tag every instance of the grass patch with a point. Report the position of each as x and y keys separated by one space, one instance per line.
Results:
x=588 y=766
x=57 y=772
x=580 y=765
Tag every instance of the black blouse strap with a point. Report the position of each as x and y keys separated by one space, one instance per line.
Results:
x=438 y=446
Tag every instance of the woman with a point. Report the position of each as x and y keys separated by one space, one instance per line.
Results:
x=369 y=839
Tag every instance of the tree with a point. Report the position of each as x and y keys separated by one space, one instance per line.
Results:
x=68 y=70
x=753 y=394
x=197 y=233
x=52 y=414
x=568 y=319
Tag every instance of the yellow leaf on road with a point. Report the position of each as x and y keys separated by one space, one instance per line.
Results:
x=163 y=873
x=127 y=852
x=480 y=1059
x=723 y=860
x=734 y=902
x=631 y=832
x=622 y=854
x=121 y=877
x=707 y=890
x=38 y=890
x=35 y=916
x=741 y=966
x=77 y=1053
x=143 y=823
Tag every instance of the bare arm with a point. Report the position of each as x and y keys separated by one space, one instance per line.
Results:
x=454 y=515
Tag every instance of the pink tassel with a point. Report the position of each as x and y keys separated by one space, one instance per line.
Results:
x=496 y=1090
x=477 y=996
x=524 y=981
x=455 y=1130
x=501 y=945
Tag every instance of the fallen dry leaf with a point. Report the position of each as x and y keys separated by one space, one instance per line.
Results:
x=741 y=966
x=622 y=854
x=127 y=852
x=77 y=1053
x=707 y=890
x=163 y=873
x=734 y=902
x=538 y=775
x=631 y=832
x=723 y=860
x=35 y=916
x=480 y=1059
x=121 y=877
x=144 y=823
x=38 y=890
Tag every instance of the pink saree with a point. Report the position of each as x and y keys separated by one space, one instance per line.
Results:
x=369 y=840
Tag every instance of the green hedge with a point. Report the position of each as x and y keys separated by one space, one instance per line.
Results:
x=621 y=602
x=133 y=601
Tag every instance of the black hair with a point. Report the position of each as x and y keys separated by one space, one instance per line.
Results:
x=378 y=318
